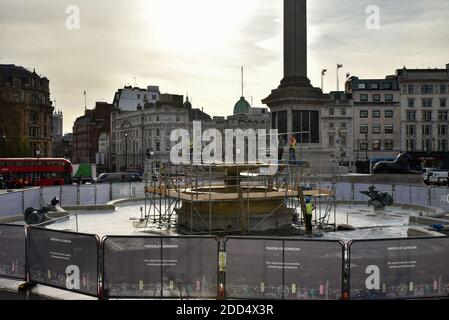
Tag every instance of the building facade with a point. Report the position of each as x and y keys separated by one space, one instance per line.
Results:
x=338 y=130
x=87 y=130
x=58 y=129
x=132 y=99
x=143 y=133
x=424 y=116
x=377 y=118
x=26 y=113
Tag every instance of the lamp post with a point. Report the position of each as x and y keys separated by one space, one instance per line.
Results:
x=3 y=145
x=134 y=152
x=126 y=151
x=38 y=153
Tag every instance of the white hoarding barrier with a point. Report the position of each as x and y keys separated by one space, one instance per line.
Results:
x=49 y=193
x=32 y=198
x=69 y=196
x=419 y=196
x=103 y=193
x=439 y=198
x=344 y=191
x=87 y=195
x=361 y=187
x=122 y=191
x=11 y=204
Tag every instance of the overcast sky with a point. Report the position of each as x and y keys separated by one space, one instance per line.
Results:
x=198 y=46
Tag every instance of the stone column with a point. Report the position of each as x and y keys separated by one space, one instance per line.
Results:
x=295 y=44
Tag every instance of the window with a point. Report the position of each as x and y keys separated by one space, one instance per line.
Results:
x=331 y=141
x=376 y=97
x=427 y=116
x=331 y=125
x=426 y=130
x=389 y=114
x=158 y=132
x=343 y=112
x=363 y=114
x=138 y=97
x=410 y=130
x=411 y=115
x=178 y=119
x=376 y=114
x=157 y=118
x=387 y=85
x=442 y=130
x=364 y=97
x=363 y=146
x=331 y=111
x=364 y=128
x=154 y=97
x=427 y=145
x=389 y=144
x=442 y=145
x=344 y=140
x=427 y=102
x=411 y=103
x=443 y=102
x=158 y=146
x=362 y=86
x=411 y=145
x=411 y=89
x=376 y=144
x=376 y=129
x=389 y=129
x=307 y=121
x=427 y=89
x=343 y=125
x=443 y=88
x=375 y=86
x=442 y=115
x=388 y=97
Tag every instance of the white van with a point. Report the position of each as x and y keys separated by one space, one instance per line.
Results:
x=439 y=178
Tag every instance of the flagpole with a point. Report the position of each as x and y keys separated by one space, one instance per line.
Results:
x=338 y=80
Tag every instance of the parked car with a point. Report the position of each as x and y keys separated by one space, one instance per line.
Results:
x=439 y=178
x=118 y=177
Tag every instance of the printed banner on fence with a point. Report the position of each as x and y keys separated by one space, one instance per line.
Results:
x=64 y=260
x=140 y=267
x=277 y=269
x=395 y=269
x=12 y=251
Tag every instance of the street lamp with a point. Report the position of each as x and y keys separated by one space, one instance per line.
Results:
x=126 y=151
x=134 y=152
x=38 y=153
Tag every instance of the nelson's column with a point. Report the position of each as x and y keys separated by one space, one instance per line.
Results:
x=296 y=105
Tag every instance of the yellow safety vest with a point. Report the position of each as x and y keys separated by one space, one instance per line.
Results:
x=309 y=209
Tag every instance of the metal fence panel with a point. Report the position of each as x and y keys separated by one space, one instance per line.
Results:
x=402 y=194
x=313 y=270
x=103 y=193
x=419 y=195
x=64 y=260
x=344 y=191
x=48 y=193
x=87 y=195
x=121 y=191
x=31 y=198
x=253 y=269
x=440 y=198
x=399 y=269
x=11 y=204
x=283 y=269
x=12 y=251
x=138 y=267
x=138 y=189
x=69 y=196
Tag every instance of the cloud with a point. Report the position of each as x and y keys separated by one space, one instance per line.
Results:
x=171 y=43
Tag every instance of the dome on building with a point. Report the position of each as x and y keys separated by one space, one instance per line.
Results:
x=242 y=106
x=187 y=104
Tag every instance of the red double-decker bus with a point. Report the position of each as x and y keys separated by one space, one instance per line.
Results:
x=28 y=172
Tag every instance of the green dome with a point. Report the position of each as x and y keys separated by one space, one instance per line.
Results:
x=242 y=106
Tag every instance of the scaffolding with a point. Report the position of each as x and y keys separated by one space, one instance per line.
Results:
x=220 y=199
